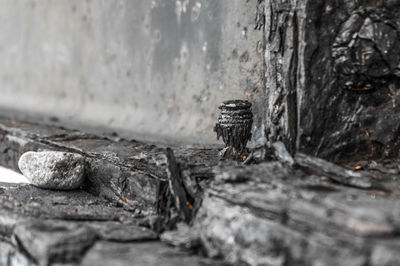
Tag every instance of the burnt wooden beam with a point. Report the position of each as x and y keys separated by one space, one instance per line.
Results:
x=177 y=187
x=332 y=78
x=174 y=203
x=359 y=179
x=126 y=172
x=273 y=214
x=45 y=227
x=293 y=211
x=113 y=215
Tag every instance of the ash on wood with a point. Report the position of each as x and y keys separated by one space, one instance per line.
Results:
x=278 y=215
x=49 y=242
x=127 y=173
x=289 y=211
x=48 y=227
x=296 y=211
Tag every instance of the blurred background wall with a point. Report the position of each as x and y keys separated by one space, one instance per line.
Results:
x=154 y=68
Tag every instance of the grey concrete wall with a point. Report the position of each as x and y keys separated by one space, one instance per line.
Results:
x=156 y=68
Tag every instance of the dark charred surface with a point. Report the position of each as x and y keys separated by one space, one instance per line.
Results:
x=292 y=210
x=147 y=253
x=272 y=214
x=332 y=78
x=366 y=50
x=125 y=172
x=332 y=91
x=43 y=227
x=118 y=203
x=234 y=126
x=174 y=203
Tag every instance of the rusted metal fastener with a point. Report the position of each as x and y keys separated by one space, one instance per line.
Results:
x=234 y=126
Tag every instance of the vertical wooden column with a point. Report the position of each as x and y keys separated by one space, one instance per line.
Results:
x=284 y=31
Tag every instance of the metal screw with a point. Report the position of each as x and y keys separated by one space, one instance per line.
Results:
x=234 y=126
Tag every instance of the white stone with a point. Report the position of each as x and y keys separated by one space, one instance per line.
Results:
x=53 y=169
